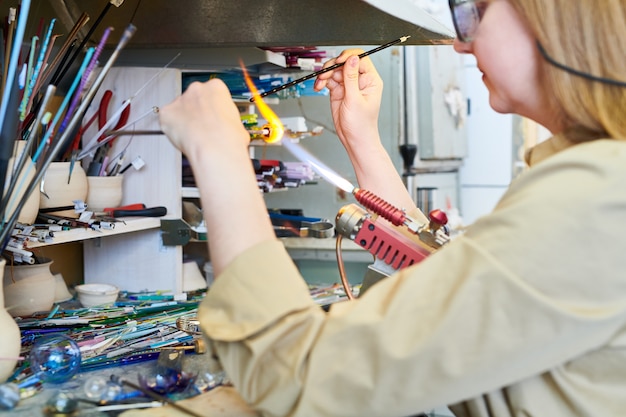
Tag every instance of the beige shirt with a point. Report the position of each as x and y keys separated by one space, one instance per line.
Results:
x=524 y=315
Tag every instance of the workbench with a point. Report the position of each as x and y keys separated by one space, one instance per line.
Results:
x=222 y=401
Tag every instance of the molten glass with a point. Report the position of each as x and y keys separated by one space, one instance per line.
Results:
x=276 y=128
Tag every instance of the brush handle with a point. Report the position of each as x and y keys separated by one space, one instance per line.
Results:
x=331 y=68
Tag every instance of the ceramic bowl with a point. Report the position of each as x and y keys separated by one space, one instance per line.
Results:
x=91 y=295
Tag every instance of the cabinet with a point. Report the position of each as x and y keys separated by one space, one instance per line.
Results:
x=139 y=260
x=436 y=92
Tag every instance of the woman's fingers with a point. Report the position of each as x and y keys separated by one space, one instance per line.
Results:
x=322 y=79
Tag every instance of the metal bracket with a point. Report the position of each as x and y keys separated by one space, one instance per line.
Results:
x=175 y=232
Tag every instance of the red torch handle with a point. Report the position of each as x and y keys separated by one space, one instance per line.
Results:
x=379 y=206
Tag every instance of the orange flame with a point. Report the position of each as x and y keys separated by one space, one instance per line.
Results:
x=275 y=125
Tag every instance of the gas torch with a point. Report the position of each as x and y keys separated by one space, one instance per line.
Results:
x=394 y=239
x=395 y=244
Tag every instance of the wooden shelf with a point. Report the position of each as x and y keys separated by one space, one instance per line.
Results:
x=192 y=192
x=125 y=225
x=324 y=249
x=322 y=244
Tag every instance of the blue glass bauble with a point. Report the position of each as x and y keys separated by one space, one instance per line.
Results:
x=55 y=358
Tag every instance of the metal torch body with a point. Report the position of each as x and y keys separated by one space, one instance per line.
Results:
x=392 y=237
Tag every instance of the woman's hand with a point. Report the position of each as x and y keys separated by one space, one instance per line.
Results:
x=355 y=96
x=205 y=125
x=203 y=116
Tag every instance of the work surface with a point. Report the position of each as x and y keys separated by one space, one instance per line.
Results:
x=106 y=353
x=219 y=402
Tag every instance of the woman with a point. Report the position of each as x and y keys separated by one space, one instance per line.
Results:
x=524 y=314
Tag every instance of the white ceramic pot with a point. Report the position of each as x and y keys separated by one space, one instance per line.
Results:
x=192 y=277
x=28 y=288
x=104 y=192
x=11 y=342
x=61 y=293
x=29 y=210
x=60 y=193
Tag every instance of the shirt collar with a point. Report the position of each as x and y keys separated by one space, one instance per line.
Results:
x=547 y=148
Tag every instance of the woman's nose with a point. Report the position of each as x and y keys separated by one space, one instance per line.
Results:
x=462 y=47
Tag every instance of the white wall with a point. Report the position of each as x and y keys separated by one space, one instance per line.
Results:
x=487 y=170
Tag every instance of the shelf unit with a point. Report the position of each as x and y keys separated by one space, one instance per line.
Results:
x=134 y=257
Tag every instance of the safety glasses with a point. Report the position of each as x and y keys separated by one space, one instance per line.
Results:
x=466 y=15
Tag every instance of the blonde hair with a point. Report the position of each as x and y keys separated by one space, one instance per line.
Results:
x=587 y=35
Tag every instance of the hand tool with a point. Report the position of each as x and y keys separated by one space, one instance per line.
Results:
x=58 y=144
x=402 y=242
x=133 y=210
x=286 y=225
x=198 y=347
x=52 y=219
x=77 y=96
x=62 y=70
x=155 y=396
x=10 y=97
x=331 y=68
x=118 y=407
x=93 y=143
x=96 y=164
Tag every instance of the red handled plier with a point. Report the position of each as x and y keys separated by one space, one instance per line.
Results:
x=98 y=163
x=101 y=115
x=103 y=109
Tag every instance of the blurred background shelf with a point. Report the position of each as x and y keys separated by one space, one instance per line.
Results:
x=125 y=225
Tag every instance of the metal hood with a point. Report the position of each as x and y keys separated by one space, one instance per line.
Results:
x=260 y=23
x=214 y=34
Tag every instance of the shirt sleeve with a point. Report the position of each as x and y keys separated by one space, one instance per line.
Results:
x=508 y=300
